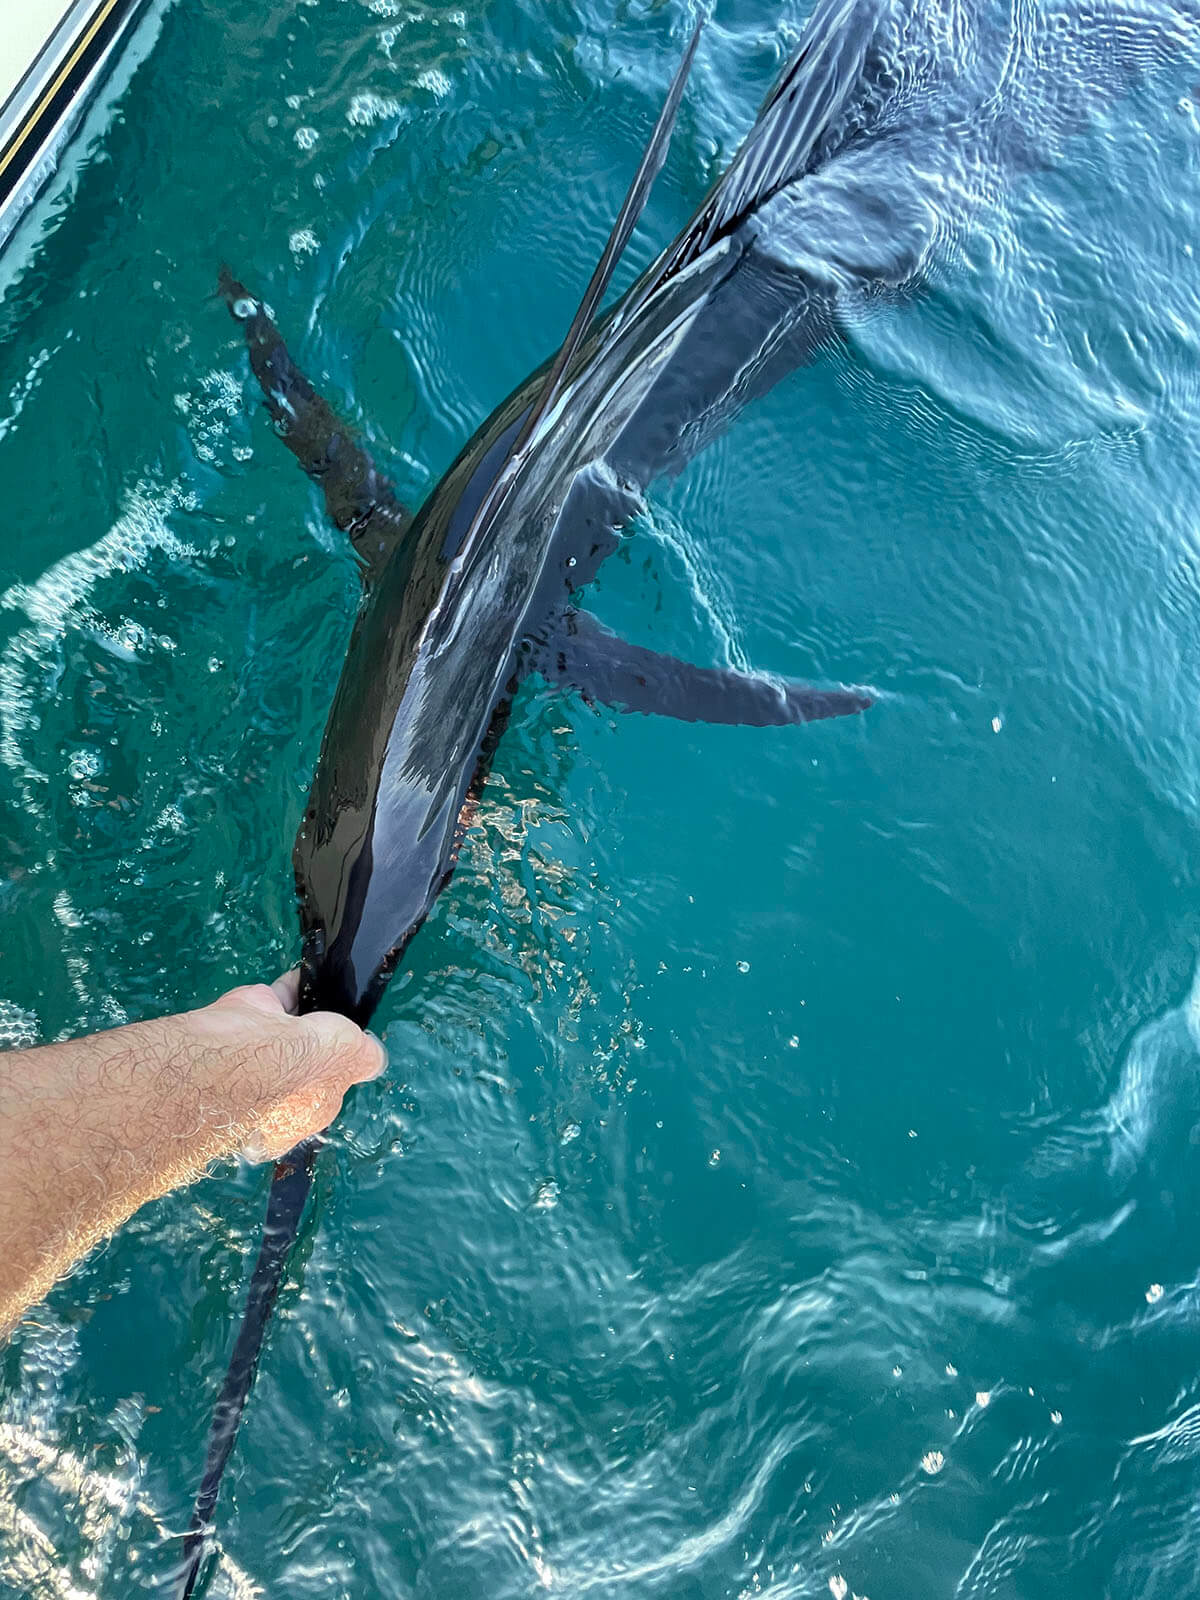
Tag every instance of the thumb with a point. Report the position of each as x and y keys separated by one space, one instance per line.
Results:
x=353 y=1054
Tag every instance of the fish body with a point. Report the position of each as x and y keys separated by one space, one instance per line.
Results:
x=483 y=586
x=444 y=637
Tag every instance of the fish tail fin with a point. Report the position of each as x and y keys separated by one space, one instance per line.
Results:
x=290 y=1185
x=791 y=132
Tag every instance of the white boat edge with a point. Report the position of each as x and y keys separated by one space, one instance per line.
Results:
x=63 y=63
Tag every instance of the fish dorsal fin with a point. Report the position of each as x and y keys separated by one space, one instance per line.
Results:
x=790 y=132
x=631 y=210
x=627 y=219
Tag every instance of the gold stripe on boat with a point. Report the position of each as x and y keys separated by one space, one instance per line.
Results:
x=65 y=72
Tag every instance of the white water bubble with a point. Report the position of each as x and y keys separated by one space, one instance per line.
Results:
x=83 y=764
x=18 y=1028
x=366 y=109
x=127 y=638
x=171 y=820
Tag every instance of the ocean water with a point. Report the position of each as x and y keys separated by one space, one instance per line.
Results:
x=787 y=1178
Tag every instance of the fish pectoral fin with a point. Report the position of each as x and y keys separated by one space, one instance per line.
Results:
x=585 y=655
x=358 y=497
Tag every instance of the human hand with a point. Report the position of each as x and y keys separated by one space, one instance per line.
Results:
x=291 y=1072
x=92 y=1128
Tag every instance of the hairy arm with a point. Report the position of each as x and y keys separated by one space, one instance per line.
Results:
x=92 y=1129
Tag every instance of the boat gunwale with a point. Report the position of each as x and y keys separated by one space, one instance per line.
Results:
x=54 y=86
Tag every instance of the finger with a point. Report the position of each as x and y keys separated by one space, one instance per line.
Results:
x=353 y=1055
x=286 y=990
x=374 y=1057
x=260 y=997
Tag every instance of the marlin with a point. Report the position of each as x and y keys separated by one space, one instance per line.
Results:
x=482 y=588
x=886 y=126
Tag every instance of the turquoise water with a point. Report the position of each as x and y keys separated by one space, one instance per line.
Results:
x=786 y=1178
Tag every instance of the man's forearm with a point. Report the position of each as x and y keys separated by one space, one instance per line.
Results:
x=92 y=1129
x=89 y=1131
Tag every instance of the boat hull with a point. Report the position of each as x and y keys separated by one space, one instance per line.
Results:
x=54 y=57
